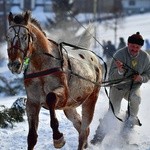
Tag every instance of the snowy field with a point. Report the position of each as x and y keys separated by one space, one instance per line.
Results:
x=15 y=138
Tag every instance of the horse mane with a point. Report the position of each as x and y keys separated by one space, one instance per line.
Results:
x=19 y=19
x=37 y=24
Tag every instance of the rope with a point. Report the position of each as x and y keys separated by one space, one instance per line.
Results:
x=110 y=83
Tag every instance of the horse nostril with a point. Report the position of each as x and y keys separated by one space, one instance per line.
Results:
x=17 y=64
x=14 y=65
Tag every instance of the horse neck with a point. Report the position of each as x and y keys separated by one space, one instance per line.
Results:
x=40 y=42
x=39 y=48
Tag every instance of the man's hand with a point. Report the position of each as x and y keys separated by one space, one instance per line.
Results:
x=119 y=65
x=137 y=78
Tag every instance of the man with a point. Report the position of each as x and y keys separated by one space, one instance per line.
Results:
x=128 y=63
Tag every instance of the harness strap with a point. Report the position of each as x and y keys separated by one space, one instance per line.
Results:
x=74 y=46
x=42 y=73
x=53 y=42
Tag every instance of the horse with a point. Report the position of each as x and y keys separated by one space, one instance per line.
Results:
x=54 y=78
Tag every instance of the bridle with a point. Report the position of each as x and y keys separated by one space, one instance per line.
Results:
x=18 y=44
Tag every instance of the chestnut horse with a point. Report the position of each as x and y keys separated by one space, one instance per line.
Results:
x=54 y=78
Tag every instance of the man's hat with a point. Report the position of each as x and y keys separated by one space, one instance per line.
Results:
x=136 y=39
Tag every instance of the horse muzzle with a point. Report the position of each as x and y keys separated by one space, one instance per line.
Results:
x=15 y=67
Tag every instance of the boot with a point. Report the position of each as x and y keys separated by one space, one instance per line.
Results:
x=129 y=125
x=99 y=135
x=97 y=138
x=132 y=121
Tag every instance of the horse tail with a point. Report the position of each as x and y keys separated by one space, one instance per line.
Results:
x=86 y=38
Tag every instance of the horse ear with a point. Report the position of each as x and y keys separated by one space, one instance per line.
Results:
x=10 y=18
x=27 y=16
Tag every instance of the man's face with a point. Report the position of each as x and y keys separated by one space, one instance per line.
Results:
x=134 y=49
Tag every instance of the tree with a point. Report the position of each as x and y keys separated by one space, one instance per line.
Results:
x=64 y=11
x=3 y=22
x=8 y=116
x=64 y=22
x=11 y=87
x=116 y=10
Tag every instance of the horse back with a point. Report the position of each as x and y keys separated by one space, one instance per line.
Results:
x=85 y=75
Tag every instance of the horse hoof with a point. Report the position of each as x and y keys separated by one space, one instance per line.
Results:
x=59 y=143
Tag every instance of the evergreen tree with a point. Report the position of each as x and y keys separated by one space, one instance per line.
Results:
x=64 y=22
x=63 y=9
x=8 y=116
x=64 y=12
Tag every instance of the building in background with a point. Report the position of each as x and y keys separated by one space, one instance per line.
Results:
x=17 y=6
x=136 y=6
x=102 y=8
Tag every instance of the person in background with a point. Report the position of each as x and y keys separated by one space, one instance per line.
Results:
x=147 y=45
x=109 y=50
x=121 y=43
x=131 y=63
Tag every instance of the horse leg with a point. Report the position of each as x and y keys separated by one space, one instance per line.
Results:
x=58 y=137
x=88 y=108
x=33 y=119
x=74 y=117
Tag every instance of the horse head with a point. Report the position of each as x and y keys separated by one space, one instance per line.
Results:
x=18 y=39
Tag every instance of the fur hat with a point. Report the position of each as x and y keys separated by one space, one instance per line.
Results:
x=136 y=39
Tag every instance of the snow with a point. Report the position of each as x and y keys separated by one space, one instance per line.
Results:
x=15 y=138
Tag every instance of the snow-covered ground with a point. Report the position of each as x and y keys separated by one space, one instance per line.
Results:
x=15 y=138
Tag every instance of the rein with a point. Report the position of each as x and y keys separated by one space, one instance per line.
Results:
x=59 y=69
x=107 y=83
x=53 y=70
x=104 y=83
